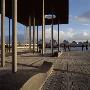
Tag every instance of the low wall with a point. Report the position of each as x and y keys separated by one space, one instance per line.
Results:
x=36 y=82
x=57 y=54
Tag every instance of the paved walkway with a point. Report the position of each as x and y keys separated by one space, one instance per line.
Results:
x=29 y=66
x=71 y=72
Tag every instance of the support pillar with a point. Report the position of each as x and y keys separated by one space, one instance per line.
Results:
x=37 y=38
x=29 y=33
x=43 y=31
x=2 y=33
x=44 y=36
x=52 y=35
x=9 y=34
x=58 y=38
x=26 y=37
x=33 y=34
x=14 y=36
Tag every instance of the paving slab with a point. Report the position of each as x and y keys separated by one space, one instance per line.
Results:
x=71 y=72
x=28 y=67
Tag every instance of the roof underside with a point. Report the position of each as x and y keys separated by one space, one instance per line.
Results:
x=27 y=8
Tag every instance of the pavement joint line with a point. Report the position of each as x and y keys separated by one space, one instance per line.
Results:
x=47 y=78
x=60 y=54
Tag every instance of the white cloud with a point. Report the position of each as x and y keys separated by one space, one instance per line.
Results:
x=85 y=34
x=83 y=19
x=69 y=34
x=63 y=34
x=86 y=24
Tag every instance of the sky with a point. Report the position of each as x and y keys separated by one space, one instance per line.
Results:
x=78 y=28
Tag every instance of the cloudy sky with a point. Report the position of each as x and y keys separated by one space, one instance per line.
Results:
x=79 y=23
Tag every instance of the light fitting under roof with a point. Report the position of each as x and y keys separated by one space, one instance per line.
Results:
x=49 y=16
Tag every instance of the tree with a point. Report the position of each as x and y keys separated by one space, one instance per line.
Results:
x=73 y=44
x=66 y=42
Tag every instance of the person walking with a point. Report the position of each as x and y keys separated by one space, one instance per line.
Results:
x=82 y=46
x=65 y=47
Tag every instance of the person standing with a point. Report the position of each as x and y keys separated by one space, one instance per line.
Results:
x=82 y=46
x=65 y=47
x=86 y=45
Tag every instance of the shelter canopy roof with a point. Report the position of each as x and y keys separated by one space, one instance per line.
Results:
x=27 y=8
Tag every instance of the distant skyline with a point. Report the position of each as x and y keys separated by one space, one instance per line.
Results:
x=78 y=28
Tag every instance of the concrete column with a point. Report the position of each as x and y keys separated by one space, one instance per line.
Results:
x=26 y=37
x=44 y=36
x=43 y=31
x=52 y=34
x=29 y=33
x=9 y=34
x=14 y=35
x=37 y=38
x=33 y=34
x=58 y=38
x=2 y=33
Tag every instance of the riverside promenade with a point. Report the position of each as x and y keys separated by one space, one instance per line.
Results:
x=71 y=72
x=32 y=71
